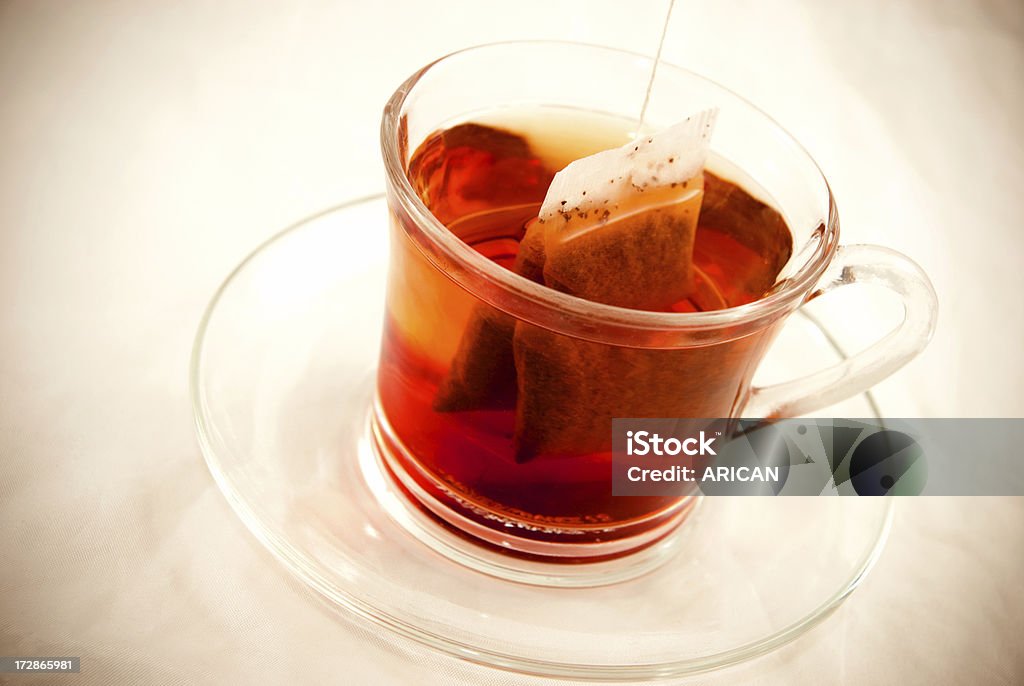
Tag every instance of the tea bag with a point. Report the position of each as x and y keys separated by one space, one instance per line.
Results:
x=729 y=210
x=482 y=373
x=473 y=168
x=619 y=229
x=620 y=225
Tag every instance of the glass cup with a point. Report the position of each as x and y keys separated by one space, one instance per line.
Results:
x=459 y=466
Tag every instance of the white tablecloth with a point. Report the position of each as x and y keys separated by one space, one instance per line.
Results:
x=146 y=146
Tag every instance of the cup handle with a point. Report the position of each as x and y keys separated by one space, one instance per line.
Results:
x=858 y=264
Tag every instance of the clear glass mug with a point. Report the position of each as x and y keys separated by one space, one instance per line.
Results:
x=458 y=466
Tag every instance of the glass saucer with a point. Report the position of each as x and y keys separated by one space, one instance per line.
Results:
x=282 y=382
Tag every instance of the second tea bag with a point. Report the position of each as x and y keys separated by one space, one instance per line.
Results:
x=619 y=229
x=482 y=372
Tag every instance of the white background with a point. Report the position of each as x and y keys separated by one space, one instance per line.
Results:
x=145 y=147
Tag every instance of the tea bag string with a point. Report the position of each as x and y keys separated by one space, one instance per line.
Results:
x=654 y=68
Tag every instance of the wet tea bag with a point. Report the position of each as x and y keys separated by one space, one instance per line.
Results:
x=496 y=176
x=618 y=229
x=482 y=373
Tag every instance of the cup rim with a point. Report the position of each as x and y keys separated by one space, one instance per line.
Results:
x=533 y=302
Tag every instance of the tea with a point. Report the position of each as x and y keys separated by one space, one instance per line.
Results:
x=506 y=423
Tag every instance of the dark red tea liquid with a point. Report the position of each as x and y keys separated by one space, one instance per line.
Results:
x=485 y=183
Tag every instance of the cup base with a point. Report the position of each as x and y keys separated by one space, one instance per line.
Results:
x=448 y=527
